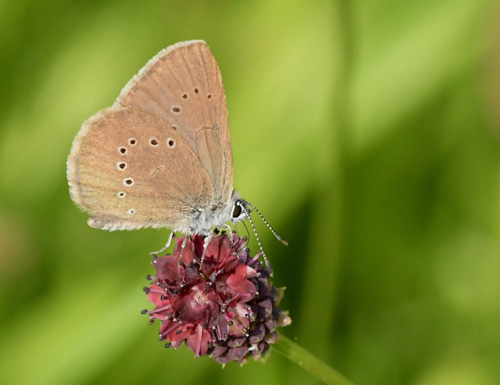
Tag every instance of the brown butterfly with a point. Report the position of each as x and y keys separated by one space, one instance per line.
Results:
x=161 y=155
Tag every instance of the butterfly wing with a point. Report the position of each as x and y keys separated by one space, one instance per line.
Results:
x=182 y=84
x=131 y=169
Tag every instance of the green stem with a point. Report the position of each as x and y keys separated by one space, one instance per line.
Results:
x=306 y=360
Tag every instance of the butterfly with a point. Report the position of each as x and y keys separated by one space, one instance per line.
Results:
x=161 y=155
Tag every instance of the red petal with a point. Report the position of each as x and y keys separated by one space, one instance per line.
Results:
x=155 y=294
x=167 y=269
x=238 y=280
x=198 y=341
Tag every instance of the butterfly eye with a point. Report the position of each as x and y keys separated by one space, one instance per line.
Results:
x=236 y=210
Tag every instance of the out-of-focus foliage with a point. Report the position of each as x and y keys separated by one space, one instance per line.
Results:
x=367 y=132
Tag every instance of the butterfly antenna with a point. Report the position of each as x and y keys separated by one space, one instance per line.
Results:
x=267 y=224
x=247 y=213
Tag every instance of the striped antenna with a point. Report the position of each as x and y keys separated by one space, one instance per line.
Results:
x=267 y=224
x=247 y=213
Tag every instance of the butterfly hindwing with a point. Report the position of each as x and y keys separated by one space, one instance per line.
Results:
x=130 y=169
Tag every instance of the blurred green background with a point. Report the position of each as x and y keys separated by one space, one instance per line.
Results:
x=367 y=132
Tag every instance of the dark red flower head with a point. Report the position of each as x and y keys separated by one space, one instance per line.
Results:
x=227 y=310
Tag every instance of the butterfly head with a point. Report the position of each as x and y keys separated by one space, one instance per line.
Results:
x=240 y=211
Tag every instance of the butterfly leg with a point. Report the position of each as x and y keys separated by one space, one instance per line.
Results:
x=184 y=242
x=167 y=245
x=229 y=232
x=206 y=242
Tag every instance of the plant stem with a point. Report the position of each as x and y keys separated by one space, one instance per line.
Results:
x=306 y=360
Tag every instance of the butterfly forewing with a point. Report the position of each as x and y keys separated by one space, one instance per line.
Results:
x=183 y=86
